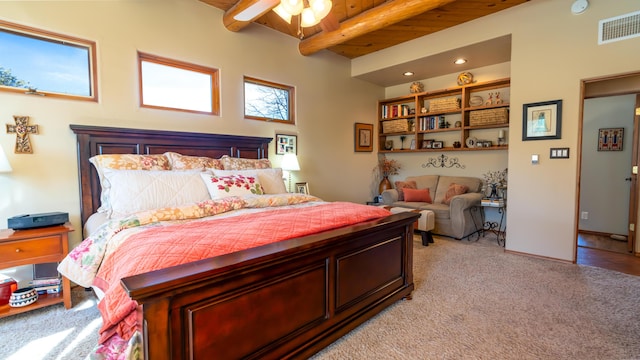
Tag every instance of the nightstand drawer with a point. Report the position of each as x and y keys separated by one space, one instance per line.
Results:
x=32 y=249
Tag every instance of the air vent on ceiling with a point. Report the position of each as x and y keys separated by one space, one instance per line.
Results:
x=619 y=28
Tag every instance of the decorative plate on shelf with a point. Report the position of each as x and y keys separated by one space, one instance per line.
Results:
x=471 y=142
x=476 y=100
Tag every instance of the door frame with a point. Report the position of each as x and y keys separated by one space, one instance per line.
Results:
x=612 y=85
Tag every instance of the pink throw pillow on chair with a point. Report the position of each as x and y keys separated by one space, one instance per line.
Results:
x=418 y=195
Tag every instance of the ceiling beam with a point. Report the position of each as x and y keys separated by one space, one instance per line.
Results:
x=375 y=19
x=244 y=12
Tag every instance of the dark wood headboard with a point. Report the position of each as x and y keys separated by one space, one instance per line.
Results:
x=96 y=140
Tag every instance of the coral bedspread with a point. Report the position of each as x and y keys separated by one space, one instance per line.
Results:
x=159 y=247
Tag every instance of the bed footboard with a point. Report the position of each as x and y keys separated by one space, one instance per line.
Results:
x=284 y=300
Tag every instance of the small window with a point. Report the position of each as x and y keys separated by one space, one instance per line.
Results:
x=39 y=62
x=176 y=85
x=267 y=101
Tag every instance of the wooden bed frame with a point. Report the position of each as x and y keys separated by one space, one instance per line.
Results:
x=284 y=300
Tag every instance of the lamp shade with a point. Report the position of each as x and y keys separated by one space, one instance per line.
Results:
x=290 y=162
x=282 y=13
x=293 y=7
x=4 y=162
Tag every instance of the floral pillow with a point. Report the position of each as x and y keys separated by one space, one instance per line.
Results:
x=401 y=185
x=186 y=162
x=231 y=185
x=270 y=179
x=124 y=162
x=454 y=189
x=231 y=163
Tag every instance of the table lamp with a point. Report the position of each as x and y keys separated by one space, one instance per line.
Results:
x=289 y=163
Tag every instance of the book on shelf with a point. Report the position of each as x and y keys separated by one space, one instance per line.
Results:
x=393 y=111
x=45 y=282
x=499 y=202
x=48 y=289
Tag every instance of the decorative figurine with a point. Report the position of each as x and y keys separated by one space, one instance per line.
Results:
x=498 y=100
x=489 y=100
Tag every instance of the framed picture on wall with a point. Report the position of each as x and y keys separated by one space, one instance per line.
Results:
x=610 y=139
x=542 y=120
x=363 y=137
x=286 y=144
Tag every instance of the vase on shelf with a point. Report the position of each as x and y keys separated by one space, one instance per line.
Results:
x=385 y=184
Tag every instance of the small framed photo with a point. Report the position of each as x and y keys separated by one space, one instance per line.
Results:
x=436 y=145
x=302 y=188
x=363 y=137
x=610 y=139
x=427 y=143
x=286 y=144
x=542 y=120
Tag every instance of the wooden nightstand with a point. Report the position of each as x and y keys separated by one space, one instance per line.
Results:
x=35 y=246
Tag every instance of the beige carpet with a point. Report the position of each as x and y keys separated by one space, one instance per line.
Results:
x=472 y=301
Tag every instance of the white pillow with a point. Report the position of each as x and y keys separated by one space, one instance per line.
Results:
x=231 y=185
x=270 y=179
x=139 y=190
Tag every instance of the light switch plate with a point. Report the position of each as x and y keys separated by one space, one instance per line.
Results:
x=535 y=158
x=559 y=153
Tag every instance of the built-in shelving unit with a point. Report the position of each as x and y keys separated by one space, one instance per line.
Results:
x=436 y=120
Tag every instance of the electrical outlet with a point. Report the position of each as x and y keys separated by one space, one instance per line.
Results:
x=584 y=215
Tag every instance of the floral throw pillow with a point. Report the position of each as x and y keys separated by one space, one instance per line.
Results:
x=401 y=185
x=185 y=162
x=454 y=189
x=231 y=163
x=231 y=185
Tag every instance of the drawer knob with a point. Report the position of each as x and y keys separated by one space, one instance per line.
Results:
x=18 y=250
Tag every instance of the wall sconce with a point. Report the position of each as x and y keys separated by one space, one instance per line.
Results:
x=5 y=166
x=289 y=163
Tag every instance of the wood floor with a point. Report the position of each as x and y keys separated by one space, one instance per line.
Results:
x=607 y=253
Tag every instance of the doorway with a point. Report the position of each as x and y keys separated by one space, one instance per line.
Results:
x=607 y=133
x=607 y=190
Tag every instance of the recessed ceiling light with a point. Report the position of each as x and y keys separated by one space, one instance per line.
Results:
x=460 y=61
x=408 y=73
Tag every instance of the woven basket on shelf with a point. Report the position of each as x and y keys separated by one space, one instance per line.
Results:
x=446 y=104
x=488 y=117
x=393 y=126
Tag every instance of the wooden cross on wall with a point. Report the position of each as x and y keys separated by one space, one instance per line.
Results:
x=22 y=129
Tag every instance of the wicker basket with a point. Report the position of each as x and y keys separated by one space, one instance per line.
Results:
x=393 y=126
x=446 y=104
x=489 y=117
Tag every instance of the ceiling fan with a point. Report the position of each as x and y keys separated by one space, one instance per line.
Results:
x=308 y=12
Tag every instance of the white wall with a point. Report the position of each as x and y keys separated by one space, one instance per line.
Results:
x=552 y=51
x=329 y=101
x=604 y=194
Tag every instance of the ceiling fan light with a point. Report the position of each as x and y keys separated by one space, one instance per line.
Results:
x=321 y=8
x=282 y=13
x=293 y=7
x=309 y=18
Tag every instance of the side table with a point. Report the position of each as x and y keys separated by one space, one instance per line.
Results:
x=36 y=246
x=495 y=226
